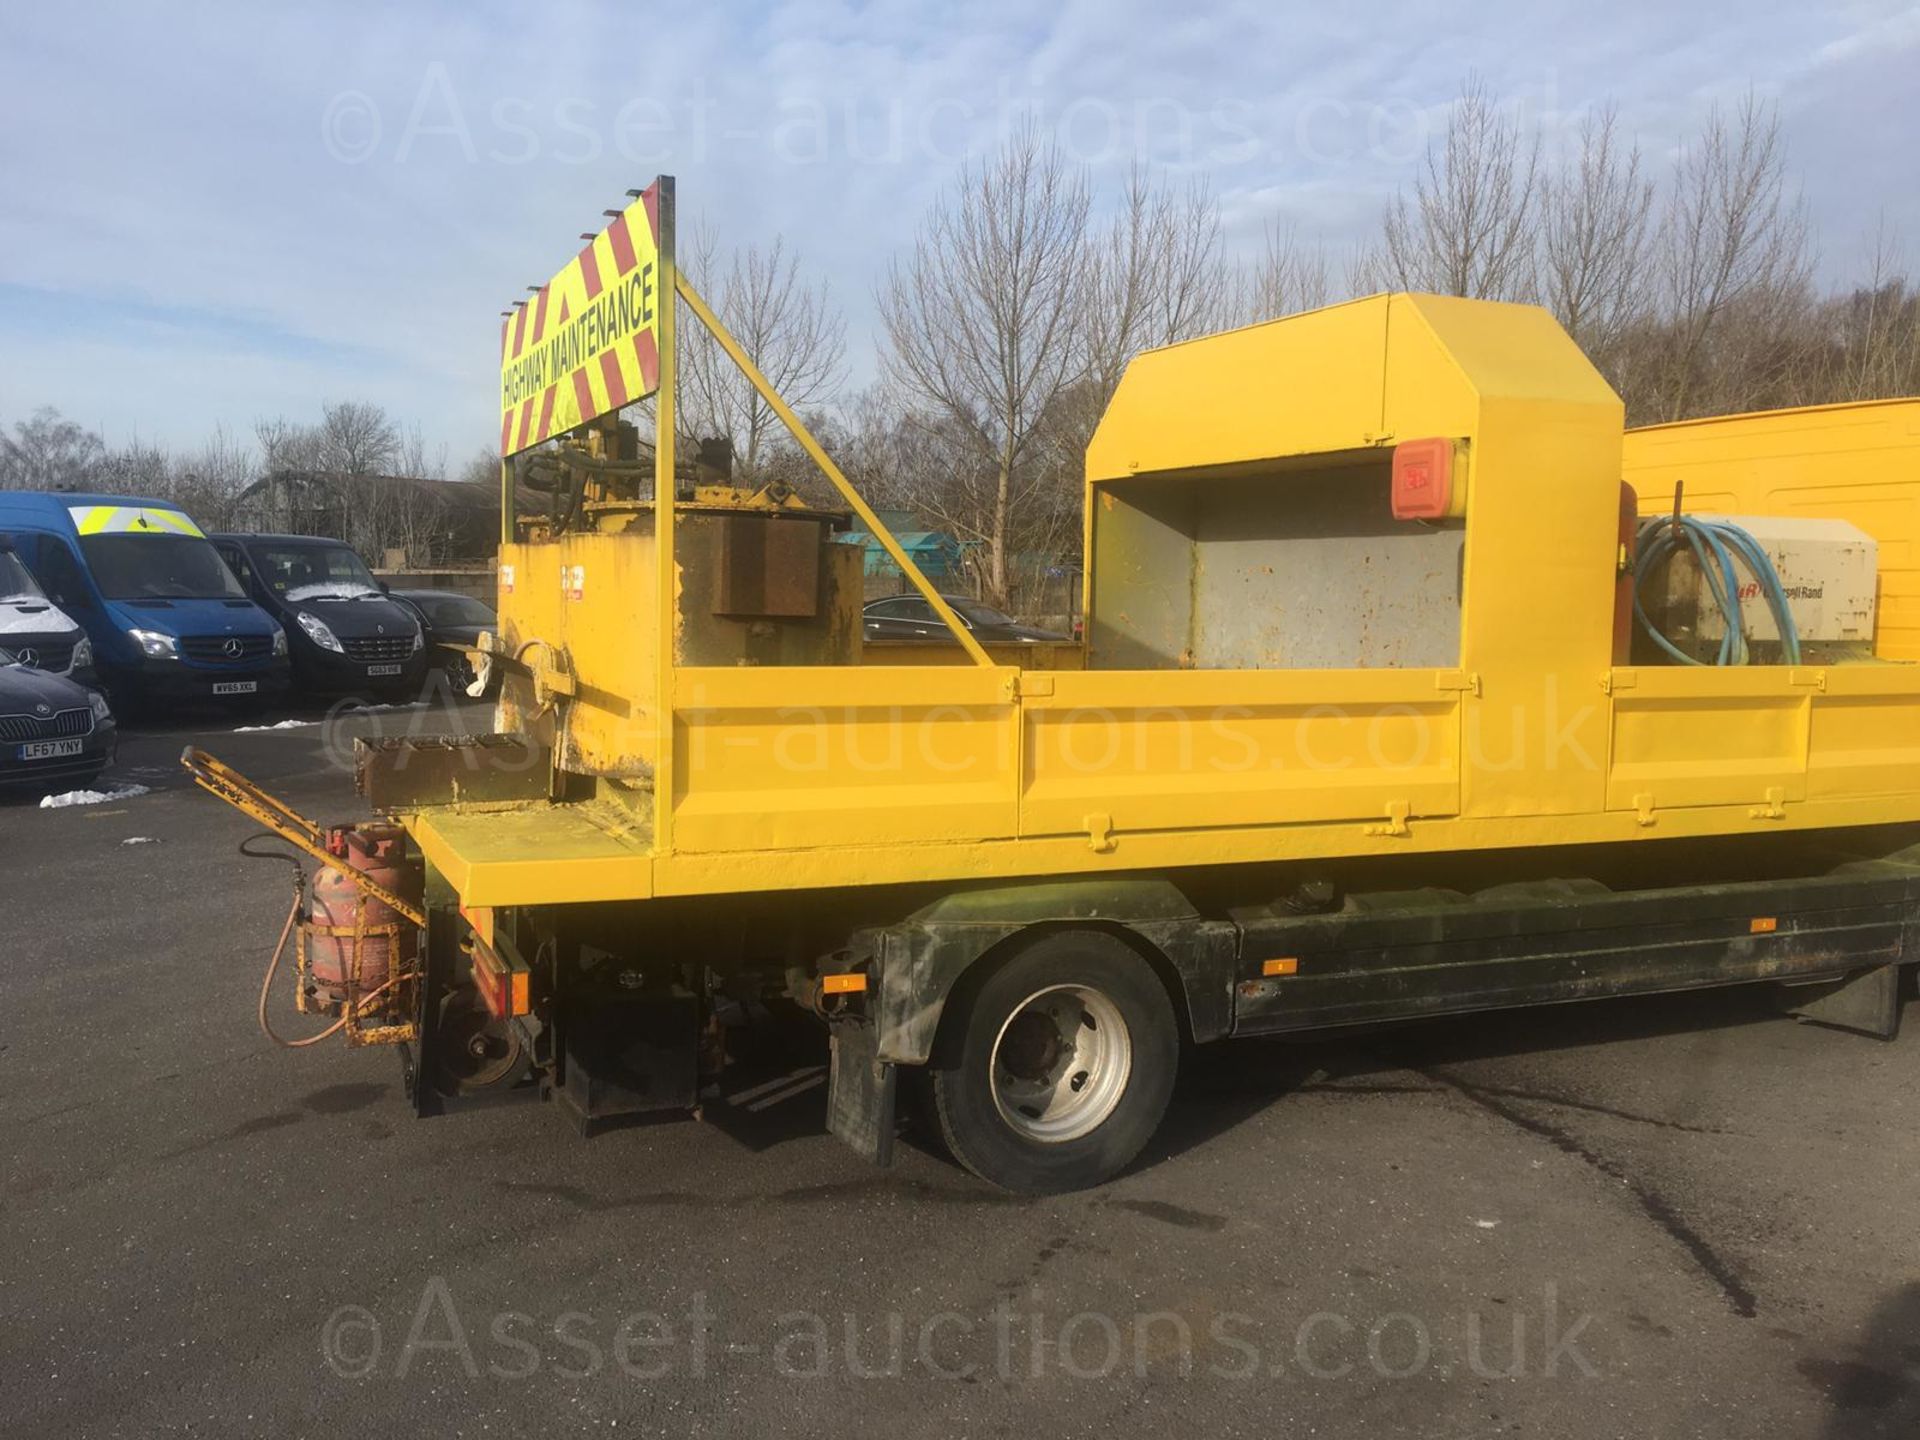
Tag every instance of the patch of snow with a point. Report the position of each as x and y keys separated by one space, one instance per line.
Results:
x=92 y=797
x=1486 y=1224
x=43 y=615
x=283 y=725
x=329 y=590
x=141 y=840
x=369 y=709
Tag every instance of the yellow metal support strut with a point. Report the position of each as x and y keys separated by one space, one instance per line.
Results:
x=832 y=471
x=289 y=824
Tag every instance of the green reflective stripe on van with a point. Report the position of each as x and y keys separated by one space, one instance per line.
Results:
x=131 y=520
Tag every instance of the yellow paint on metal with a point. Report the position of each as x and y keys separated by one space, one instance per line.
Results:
x=1857 y=462
x=480 y=917
x=551 y=856
x=771 y=761
x=583 y=607
x=666 y=573
x=1192 y=749
x=562 y=853
x=1042 y=656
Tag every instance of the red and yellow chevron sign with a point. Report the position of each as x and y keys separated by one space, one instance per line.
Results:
x=589 y=341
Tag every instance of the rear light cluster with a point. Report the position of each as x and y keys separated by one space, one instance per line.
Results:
x=502 y=985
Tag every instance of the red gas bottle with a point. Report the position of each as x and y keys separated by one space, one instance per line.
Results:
x=387 y=940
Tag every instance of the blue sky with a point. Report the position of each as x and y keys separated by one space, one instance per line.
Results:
x=212 y=213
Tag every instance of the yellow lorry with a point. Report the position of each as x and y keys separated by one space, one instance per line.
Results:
x=1356 y=735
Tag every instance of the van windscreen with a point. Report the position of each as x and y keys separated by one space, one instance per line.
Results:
x=131 y=566
x=16 y=583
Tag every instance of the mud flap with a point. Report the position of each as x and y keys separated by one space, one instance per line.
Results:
x=861 y=1092
x=1868 y=1002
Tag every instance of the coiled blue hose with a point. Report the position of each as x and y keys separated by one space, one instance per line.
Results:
x=1716 y=545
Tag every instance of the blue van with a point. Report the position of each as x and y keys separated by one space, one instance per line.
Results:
x=167 y=619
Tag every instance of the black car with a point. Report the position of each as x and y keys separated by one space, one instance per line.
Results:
x=908 y=617
x=449 y=618
x=52 y=730
x=344 y=633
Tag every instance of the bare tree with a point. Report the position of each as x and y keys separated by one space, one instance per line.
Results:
x=1287 y=277
x=984 y=328
x=1733 y=241
x=1368 y=271
x=1470 y=227
x=482 y=468
x=47 y=451
x=412 y=456
x=357 y=437
x=1593 y=237
x=208 y=481
x=1875 y=329
x=287 y=445
x=792 y=331
x=1155 y=277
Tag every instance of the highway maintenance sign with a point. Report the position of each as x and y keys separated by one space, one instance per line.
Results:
x=588 y=341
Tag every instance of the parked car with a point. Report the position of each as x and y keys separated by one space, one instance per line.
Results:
x=53 y=730
x=166 y=618
x=35 y=630
x=908 y=617
x=449 y=618
x=347 y=635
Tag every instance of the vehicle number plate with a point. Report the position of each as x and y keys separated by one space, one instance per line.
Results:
x=383 y=669
x=50 y=749
x=235 y=687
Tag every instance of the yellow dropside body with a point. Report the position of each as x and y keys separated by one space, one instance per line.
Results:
x=1189 y=733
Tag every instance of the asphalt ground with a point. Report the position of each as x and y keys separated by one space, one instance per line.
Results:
x=1671 y=1217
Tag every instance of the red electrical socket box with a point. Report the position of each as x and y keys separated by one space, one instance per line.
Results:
x=1423 y=479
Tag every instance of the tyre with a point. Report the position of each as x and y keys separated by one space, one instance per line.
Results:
x=1056 y=1065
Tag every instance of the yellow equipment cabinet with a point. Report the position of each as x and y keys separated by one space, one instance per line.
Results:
x=1347 y=742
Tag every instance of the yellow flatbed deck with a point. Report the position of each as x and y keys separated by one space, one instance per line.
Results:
x=545 y=853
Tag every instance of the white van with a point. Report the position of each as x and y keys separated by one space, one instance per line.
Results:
x=33 y=629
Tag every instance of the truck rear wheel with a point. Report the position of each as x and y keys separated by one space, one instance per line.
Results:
x=1057 y=1065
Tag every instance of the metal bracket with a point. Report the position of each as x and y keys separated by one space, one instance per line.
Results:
x=1028 y=686
x=1618 y=680
x=1868 y=1002
x=1774 y=809
x=1099 y=830
x=1643 y=808
x=1467 y=681
x=1397 y=812
x=1810 y=679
